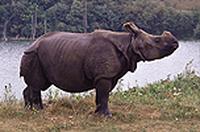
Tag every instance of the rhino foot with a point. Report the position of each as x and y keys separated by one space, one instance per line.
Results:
x=104 y=113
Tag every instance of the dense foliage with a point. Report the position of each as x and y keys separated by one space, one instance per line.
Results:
x=31 y=18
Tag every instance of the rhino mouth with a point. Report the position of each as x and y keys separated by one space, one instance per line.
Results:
x=168 y=50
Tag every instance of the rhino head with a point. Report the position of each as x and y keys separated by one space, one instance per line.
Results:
x=150 y=47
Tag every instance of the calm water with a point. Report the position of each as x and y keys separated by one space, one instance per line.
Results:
x=148 y=72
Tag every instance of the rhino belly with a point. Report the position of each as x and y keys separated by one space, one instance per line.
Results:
x=72 y=83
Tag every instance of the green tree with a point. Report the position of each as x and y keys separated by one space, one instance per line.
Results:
x=9 y=10
x=32 y=18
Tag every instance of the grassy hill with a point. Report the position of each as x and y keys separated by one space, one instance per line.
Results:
x=163 y=106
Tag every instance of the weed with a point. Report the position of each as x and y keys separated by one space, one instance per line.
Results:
x=52 y=95
x=9 y=97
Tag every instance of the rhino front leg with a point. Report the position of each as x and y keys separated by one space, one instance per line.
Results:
x=103 y=88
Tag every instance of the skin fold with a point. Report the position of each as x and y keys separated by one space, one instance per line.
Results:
x=78 y=62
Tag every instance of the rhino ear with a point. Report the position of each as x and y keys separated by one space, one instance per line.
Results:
x=131 y=27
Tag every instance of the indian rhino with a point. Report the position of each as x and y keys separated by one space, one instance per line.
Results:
x=77 y=62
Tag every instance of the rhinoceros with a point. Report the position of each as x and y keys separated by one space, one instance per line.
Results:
x=78 y=62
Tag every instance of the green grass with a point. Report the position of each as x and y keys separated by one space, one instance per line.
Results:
x=167 y=105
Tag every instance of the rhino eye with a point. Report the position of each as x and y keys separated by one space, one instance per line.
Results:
x=157 y=40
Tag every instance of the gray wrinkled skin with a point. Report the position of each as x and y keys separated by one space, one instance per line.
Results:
x=77 y=62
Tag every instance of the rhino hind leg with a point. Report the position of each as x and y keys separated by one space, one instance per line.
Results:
x=103 y=88
x=32 y=93
x=27 y=98
x=35 y=79
x=32 y=98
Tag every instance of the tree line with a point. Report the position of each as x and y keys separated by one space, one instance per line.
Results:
x=29 y=19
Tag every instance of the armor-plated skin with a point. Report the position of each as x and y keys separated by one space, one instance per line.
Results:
x=77 y=62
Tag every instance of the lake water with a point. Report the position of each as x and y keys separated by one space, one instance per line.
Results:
x=147 y=72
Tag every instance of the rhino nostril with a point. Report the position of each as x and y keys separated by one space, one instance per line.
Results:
x=175 y=44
